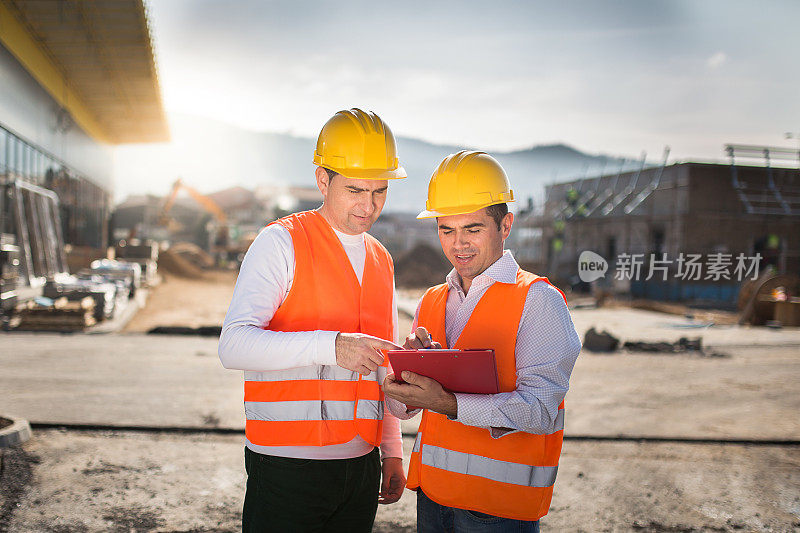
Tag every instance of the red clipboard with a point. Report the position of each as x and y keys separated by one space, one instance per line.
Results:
x=469 y=371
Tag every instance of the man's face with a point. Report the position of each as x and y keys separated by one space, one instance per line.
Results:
x=351 y=206
x=472 y=242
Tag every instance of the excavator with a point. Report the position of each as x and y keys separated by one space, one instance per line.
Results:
x=222 y=248
x=207 y=203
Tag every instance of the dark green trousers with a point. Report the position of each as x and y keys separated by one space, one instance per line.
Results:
x=306 y=495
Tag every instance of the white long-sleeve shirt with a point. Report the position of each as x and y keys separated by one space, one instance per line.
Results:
x=264 y=281
x=546 y=350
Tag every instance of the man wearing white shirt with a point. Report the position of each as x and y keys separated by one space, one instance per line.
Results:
x=313 y=305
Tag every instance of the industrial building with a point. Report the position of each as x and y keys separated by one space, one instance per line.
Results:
x=682 y=232
x=76 y=78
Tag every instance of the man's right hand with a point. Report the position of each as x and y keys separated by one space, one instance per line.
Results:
x=420 y=340
x=360 y=353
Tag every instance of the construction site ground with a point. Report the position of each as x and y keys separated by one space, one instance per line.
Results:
x=182 y=301
x=135 y=432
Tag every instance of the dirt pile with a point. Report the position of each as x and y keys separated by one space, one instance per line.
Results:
x=176 y=264
x=193 y=253
x=186 y=301
x=421 y=267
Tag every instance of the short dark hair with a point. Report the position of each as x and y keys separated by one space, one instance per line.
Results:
x=331 y=174
x=498 y=212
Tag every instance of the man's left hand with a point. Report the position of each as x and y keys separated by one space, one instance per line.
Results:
x=421 y=392
x=393 y=480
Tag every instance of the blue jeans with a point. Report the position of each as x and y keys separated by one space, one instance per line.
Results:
x=435 y=518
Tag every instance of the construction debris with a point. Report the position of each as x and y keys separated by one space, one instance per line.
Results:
x=788 y=312
x=129 y=273
x=80 y=257
x=173 y=263
x=682 y=345
x=193 y=253
x=759 y=299
x=144 y=254
x=700 y=317
x=45 y=314
x=107 y=295
x=600 y=342
x=605 y=342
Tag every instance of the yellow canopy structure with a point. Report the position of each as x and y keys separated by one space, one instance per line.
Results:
x=95 y=58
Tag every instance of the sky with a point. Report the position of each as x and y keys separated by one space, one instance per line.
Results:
x=615 y=77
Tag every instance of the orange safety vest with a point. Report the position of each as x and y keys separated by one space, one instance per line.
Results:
x=463 y=466
x=319 y=405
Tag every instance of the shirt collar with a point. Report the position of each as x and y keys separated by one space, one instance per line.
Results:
x=347 y=239
x=504 y=270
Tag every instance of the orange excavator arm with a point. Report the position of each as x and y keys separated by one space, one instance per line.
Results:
x=207 y=203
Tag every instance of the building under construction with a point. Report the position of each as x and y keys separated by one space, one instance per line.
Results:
x=76 y=78
x=688 y=231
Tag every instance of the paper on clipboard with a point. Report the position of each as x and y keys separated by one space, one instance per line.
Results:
x=468 y=371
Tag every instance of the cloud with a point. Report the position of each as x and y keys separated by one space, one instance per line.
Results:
x=717 y=60
x=617 y=77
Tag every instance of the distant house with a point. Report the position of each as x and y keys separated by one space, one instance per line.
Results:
x=240 y=205
x=657 y=220
x=401 y=232
x=281 y=199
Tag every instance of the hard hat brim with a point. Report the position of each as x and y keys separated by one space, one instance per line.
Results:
x=461 y=210
x=429 y=213
x=372 y=173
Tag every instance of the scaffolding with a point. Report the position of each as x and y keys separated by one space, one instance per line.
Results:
x=652 y=186
x=585 y=197
x=783 y=199
x=84 y=206
x=573 y=194
x=608 y=191
x=627 y=191
x=32 y=243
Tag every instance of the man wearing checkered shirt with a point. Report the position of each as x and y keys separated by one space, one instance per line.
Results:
x=486 y=462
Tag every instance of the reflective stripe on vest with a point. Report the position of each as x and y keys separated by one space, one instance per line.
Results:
x=314 y=410
x=477 y=465
x=327 y=372
x=558 y=425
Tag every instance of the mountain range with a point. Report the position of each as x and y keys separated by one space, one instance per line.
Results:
x=211 y=155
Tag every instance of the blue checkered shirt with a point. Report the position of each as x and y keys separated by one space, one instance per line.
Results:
x=546 y=350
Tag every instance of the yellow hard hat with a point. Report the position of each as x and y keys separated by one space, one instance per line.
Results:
x=465 y=182
x=358 y=144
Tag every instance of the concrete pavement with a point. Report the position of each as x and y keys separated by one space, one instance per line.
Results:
x=103 y=481
x=166 y=381
x=166 y=481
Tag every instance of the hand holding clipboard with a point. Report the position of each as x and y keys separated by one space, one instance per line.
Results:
x=469 y=371
x=433 y=374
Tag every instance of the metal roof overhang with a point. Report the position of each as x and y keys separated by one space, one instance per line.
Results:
x=95 y=58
